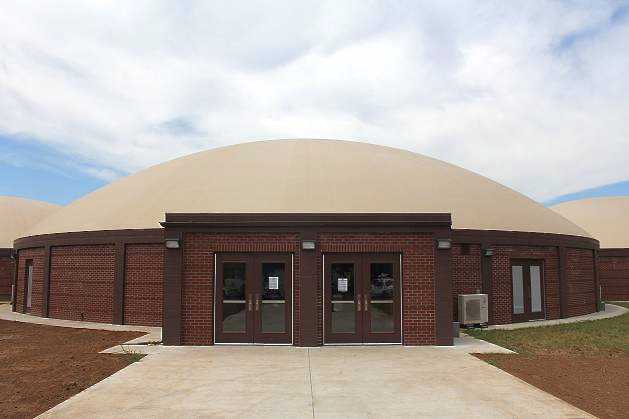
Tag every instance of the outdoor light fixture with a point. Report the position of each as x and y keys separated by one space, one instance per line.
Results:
x=444 y=243
x=172 y=243
x=308 y=244
x=489 y=252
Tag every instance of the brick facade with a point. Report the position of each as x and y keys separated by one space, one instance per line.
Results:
x=466 y=272
x=580 y=278
x=81 y=283
x=418 y=277
x=37 y=258
x=83 y=277
x=418 y=267
x=143 y=284
x=197 y=309
x=613 y=274
x=6 y=276
x=502 y=285
x=581 y=283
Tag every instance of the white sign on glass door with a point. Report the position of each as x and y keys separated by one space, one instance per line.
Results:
x=274 y=282
x=342 y=285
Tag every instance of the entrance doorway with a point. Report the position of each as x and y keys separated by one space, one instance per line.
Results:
x=362 y=298
x=253 y=298
x=527 y=290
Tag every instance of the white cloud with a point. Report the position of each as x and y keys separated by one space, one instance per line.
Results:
x=532 y=94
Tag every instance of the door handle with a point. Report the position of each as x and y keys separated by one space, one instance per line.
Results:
x=359 y=308
x=250 y=304
x=257 y=302
x=366 y=304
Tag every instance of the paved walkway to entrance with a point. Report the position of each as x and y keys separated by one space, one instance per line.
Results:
x=264 y=381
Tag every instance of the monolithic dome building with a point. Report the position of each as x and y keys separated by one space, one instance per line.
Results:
x=607 y=220
x=305 y=242
x=16 y=216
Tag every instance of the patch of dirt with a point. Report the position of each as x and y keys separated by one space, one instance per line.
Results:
x=41 y=366
x=598 y=385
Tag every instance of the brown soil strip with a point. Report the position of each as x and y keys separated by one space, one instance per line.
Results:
x=599 y=385
x=41 y=366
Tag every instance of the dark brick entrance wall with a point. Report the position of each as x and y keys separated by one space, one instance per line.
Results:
x=6 y=276
x=418 y=276
x=143 y=286
x=197 y=307
x=614 y=277
x=82 y=282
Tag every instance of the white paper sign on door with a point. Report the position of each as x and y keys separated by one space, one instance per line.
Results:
x=342 y=285
x=274 y=282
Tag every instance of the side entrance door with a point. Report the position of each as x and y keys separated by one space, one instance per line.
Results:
x=362 y=298
x=527 y=290
x=253 y=298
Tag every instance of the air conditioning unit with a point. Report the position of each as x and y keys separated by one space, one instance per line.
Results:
x=473 y=309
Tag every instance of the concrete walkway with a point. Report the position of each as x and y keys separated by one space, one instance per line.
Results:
x=611 y=310
x=266 y=381
x=355 y=382
x=153 y=334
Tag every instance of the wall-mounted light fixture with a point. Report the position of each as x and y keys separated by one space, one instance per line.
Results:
x=444 y=243
x=172 y=243
x=308 y=244
x=488 y=252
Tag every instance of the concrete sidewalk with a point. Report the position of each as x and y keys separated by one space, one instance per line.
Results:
x=153 y=334
x=611 y=310
x=283 y=381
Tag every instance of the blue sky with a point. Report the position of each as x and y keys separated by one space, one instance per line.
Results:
x=31 y=170
x=530 y=94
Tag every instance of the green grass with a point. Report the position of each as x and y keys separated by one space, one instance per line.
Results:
x=132 y=356
x=135 y=357
x=606 y=337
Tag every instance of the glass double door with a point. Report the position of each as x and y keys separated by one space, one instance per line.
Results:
x=362 y=298
x=527 y=286
x=253 y=298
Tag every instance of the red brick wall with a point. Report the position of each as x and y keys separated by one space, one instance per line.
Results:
x=418 y=276
x=580 y=277
x=466 y=273
x=198 y=276
x=501 y=280
x=37 y=256
x=81 y=282
x=613 y=273
x=6 y=276
x=143 y=287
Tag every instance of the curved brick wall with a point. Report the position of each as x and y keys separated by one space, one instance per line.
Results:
x=6 y=273
x=83 y=283
x=122 y=282
x=613 y=266
x=580 y=287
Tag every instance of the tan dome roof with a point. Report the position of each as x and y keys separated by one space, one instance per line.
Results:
x=18 y=214
x=606 y=219
x=305 y=176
